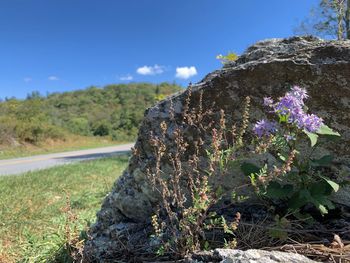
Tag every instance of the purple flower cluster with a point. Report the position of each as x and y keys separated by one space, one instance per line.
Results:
x=290 y=106
x=298 y=93
x=264 y=128
x=310 y=122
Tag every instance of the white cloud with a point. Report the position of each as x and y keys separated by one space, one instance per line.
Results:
x=27 y=79
x=185 y=72
x=126 y=77
x=53 y=78
x=150 y=70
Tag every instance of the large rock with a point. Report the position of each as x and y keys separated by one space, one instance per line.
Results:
x=267 y=68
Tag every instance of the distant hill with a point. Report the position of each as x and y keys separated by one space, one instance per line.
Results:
x=113 y=110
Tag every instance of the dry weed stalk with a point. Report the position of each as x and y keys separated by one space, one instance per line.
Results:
x=264 y=145
x=245 y=121
x=278 y=172
x=186 y=197
x=319 y=252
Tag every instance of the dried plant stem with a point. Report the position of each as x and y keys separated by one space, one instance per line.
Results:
x=245 y=121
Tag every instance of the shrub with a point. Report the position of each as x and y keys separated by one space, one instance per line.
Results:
x=101 y=128
x=115 y=110
x=37 y=132
x=79 y=125
x=7 y=129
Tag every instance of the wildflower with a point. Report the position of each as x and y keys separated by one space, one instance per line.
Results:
x=311 y=122
x=264 y=128
x=296 y=115
x=287 y=104
x=268 y=102
x=292 y=107
x=298 y=93
x=292 y=103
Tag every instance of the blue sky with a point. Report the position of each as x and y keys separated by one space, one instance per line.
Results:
x=61 y=45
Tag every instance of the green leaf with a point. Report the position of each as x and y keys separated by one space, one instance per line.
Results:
x=325 y=130
x=305 y=217
x=333 y=184
x=320 y=188
x=219 y=191
x=328 y=203
x=249 y=168
x=275 y=190
x=281 y=224
x=206 y=245
x=312 y=136
x=282 y=157
x=283 y=118
x=322 y=209
x=324 y=161
x=322 y=202
x=297 y=201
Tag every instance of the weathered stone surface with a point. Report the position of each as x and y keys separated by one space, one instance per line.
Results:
x=249 y=256
x=268 y=68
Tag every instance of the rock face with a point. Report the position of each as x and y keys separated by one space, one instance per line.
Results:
x=267 y=68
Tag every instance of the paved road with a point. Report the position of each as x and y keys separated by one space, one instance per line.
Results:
x=37 y=162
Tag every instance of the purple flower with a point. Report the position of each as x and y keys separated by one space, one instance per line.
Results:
x=292 y=102
x=292 y=106
x=298 y=93
x=288 y=104
x=311 y=122
x=268 y=102
x=295 y=115
x=264 y=128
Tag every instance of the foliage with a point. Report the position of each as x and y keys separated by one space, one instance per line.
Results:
x=114 y=110
x=44 y=224
x=300 y=180
x=230 y=57
x=330 y=19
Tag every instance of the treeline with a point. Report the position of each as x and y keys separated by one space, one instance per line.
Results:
x=114 y=110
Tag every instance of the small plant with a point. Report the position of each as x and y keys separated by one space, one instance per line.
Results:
x=230 y=57
x=300 y=179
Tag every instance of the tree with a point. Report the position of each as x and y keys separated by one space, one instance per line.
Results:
x=330 y=19
x=34 y=95
x=114 y=110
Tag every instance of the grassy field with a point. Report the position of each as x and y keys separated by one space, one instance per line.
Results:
x=36 y=221
x=73 y=143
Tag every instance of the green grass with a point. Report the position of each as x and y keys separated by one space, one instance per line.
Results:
x=71 y=144
x=32 y=220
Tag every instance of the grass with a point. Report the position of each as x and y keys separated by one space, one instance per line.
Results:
x=70 y=144
x=32 y=220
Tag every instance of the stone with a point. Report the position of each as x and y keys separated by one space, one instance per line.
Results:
x=249 y=256
x=267 y=68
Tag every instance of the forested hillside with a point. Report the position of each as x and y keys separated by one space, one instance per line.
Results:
x=114 y=110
